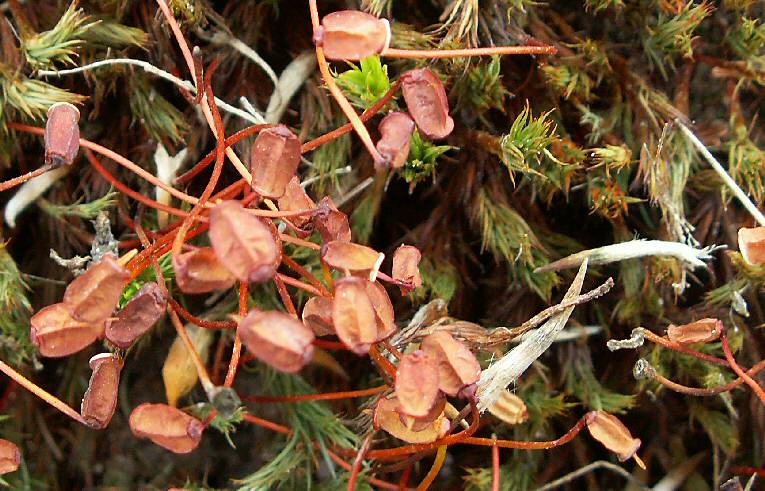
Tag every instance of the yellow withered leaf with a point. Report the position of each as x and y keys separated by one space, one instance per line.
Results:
x=179 y=373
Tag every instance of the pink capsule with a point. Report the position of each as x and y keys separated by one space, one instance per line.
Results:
x=331 y=223
x=352 y=35
x=100 y=400
x=395 y=133
x=426 y=101
x=62 y=134
x=274 y=161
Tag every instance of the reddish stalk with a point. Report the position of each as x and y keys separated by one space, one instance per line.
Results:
x=358 y=461
x=395 y=453
x=204 y=377
x=129 y=192
x=297 y=283
x=42 y=393
x=495 y=474
x=748 y=471
x=205 y=324
x=392 y=350
x=376 y=482
x=300 y=242
x=266 y=424
x=111 y=154
x=12 y=183
x=285 y=296
x=734 y=366
x=210 y=157
x=434 y=470
x=329 y=81
x=348 y=127
x=331 y=345
x=488 y=442
x=705 y=392
x=404 y=481
x=293 y=265
x=683 y=349
x=236 y=351
x=318 y=397
x=387 y=367
x=465 y=52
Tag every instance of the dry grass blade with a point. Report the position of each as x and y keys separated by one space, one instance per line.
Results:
x=508 y=368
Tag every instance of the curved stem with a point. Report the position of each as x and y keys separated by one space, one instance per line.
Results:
x=285 y=296
x=348 y=127
x=111 y=154
x=129 y=192
x=488 y=442
x=346 y=107
x=457 y=53
x=329 y=396
x=746 y=378
x=236 y=351
x=293 y=265
x=395 y=453
x=42 y=393
x=12 y=183
x=495 y=474
x=358 y=461
x=210 y=157
x=204 y=324
x=297 y=283
x=704 y=392
x=434 y=470
x=683 y=349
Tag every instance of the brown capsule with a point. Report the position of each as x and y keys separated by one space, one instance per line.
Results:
x=331 y=223
x=609 y=431
x=426 y=101
x=419 y=424
x=166 y=426
x=62 y=134
x=406 y=267
x=395 y=134
x=509 y=408
x=317 y=314
x=417 y=384
x=274 y=161
x=352 y=35
x=751 y=243
x=458 y=368
x=200 y=271
x=57 y=334
x=354 y=315
x=10 y=456
x=92 y=296
x=277 y=339
x=354 y=258
x=701 y=331
x=140 y=314
x=100 y=399
x=384 y=314
x=386 y=416
x=294 y=199
x=243 y=243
